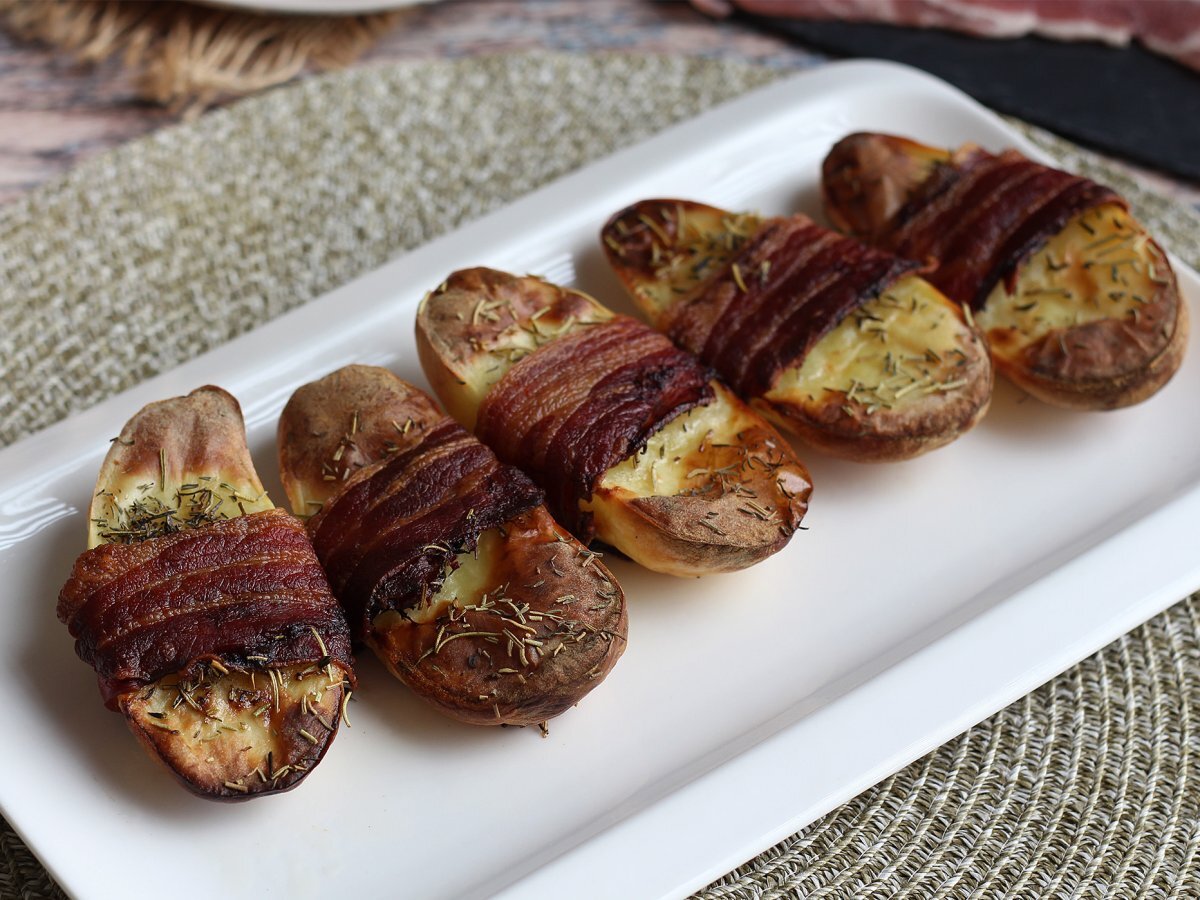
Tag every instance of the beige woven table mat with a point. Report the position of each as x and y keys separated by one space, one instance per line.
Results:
x=175 y=243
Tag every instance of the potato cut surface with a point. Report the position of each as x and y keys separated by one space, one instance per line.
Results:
x=711 y=490
x=468 y=338
x=240 y=733
x=1102 y=265
x=891 y=353
x=177 y=464
x=693 y=242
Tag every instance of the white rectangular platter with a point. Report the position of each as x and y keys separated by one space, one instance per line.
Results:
x=926 y=595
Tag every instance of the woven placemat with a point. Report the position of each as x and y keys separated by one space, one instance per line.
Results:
x=188 y=56
x=171 y=245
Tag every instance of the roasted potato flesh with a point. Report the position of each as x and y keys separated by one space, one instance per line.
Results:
x=242 y=733
x=1092 y=319
x=225 y=733
x=474 y=327
x=674 y=506
x=1094 y=305
x=178 y=463
x=520 y=629
x=901 y=375
x=710 y=492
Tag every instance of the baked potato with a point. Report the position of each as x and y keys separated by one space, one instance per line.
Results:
x=893 y=371
x=1078 y=303
x=706 y=486
x=515 y=621
x=181 y=527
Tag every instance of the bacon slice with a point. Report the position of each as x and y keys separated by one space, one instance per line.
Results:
x=388 y=539
x=1171 y=29
x=982 y=215
x=247 y=591
x=582 y=403
x=788 y=287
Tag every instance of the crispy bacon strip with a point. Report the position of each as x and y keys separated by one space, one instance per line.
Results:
x=389 y=538
x=981 y=216
x=788 y=287
x=579 y=405
x=247 y=590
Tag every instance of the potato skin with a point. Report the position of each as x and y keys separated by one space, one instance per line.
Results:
x=851 y=436
x=704 y=531
x=687 y=533
x=347 y=420
x=1097 y=365
x=361 y=414
x=203 y=430
x=654 y=264
x=866 y=178
x=483 y=683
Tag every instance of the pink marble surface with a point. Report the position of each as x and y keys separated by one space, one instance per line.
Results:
x=55 y=113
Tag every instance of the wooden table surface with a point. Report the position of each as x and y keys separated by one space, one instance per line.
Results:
x=55 y=113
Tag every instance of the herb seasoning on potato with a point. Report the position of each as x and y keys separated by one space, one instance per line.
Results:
x=843 y=345
x=1078 y=303
x=204 y=610
x=447 y=562
x=634 y=441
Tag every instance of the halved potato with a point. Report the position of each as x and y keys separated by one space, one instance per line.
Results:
x=1092 y=319
x=523 y=624
x=901 y=375
x=715 y=490
x=227 y=729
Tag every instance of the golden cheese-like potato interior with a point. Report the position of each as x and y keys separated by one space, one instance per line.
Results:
x=890 y=353
x=130 y=508
x=688 y=452
x=465 y=585
x=1101 y=265
x=243 y=731
x=706 y=239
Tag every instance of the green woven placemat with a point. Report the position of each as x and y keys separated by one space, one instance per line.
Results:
x=171 y=245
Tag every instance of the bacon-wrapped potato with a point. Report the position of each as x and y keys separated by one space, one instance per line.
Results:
x=447 y=562
x=843 y=345
x=634 y=441
x=1078 y=303
x=204 y=610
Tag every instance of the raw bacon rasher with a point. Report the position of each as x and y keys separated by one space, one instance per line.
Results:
x=1171 y=29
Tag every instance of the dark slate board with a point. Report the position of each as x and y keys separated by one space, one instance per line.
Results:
x=1123 y=101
